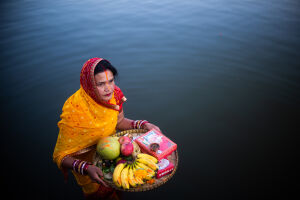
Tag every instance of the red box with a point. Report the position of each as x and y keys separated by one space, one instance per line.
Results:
x=166 y=146
x=165 y=167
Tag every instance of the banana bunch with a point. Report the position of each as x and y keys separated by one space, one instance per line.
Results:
x=135 y=174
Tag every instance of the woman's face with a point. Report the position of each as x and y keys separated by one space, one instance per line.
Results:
x=105 y=84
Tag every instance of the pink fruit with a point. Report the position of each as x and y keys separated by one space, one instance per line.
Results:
x=127 y=149
x=124 y=139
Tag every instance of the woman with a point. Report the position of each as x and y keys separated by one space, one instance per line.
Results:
x=93 y=112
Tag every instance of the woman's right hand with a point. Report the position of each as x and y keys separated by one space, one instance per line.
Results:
x=95 y=173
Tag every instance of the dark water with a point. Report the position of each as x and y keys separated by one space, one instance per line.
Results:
x=220 y=78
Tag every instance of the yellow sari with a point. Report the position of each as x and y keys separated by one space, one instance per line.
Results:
x=83 y=122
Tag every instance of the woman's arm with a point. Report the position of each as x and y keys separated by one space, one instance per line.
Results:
x=92 y=171
x=125 y=123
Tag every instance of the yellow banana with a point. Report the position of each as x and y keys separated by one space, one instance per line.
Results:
x=148 y=162
x=149 y=172
x=144 y=155
x=117 y=174
x=124 y=178
x=131 y=178
x=145 y=167
x=141 y=173
x=138 y=180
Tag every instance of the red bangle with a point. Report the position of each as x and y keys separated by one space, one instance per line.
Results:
x=81 y=167
x=85 y=169
x=138 y=124
x=143 y=123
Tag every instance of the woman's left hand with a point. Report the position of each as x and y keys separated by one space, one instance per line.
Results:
x=149 y=126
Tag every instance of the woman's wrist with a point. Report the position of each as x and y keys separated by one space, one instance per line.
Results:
x=143 y=123
x=80 y=166
x=138 y=124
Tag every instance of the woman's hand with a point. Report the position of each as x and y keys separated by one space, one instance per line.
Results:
x=95 y=173
x=149 y=126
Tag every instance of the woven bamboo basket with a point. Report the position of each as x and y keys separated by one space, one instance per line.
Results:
x=147 y=186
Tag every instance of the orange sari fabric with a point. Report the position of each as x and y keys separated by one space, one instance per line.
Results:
x=84 y=120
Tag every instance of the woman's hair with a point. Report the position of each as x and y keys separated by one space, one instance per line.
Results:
x=105 y=65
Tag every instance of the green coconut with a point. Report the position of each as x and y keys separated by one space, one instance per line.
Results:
x=108 y=148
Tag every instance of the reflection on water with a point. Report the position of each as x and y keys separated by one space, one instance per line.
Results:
x=221 y=78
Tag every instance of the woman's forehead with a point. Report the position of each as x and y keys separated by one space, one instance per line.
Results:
x=104 y=76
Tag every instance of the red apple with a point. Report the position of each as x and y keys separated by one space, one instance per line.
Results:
x=127 y=149
x=124 y=139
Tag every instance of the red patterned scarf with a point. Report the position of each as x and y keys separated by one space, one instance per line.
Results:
x=87 y=81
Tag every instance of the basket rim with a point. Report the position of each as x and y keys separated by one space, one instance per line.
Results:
x=148 y=187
